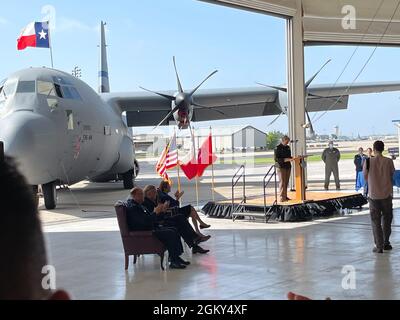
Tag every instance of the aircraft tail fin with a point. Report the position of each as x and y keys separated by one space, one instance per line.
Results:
x=104 y=81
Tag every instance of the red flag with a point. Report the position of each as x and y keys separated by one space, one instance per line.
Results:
x=190 y=169
x=206 y=156
x=189 y=164
x=196 y=167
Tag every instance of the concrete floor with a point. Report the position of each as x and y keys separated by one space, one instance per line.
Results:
x=247 y=260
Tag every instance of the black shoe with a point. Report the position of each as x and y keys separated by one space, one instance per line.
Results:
x=176 y=265
x=198 y=249
x=376 y=250
x=205 y=227
x=204 y=239
x=387 y=247
x=181 y=261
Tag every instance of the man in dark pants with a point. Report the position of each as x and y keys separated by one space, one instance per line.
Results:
x=139 y=219
x=178 y=221
x=331 y=158
x=379 y=171
x=283 y=157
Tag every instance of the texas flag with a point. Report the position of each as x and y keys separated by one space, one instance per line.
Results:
x=35 y=34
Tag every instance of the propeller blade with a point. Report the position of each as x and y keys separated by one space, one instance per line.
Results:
x=198 y=87
x=276 y=119
x=273 y=87
x=177 y=77
x=166 y=96
x=166 y=118
x=209 y=108
x=310 y=124
x=307 y=84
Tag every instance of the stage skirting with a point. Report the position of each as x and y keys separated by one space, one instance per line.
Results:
x=292 y=213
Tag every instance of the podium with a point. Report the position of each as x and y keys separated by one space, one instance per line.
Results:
x=300 y=177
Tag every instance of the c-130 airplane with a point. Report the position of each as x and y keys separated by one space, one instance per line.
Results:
x=61 y=131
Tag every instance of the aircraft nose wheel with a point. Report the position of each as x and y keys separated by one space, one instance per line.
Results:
x=50 y=195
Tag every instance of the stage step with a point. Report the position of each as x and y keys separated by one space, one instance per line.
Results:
x=253 y=214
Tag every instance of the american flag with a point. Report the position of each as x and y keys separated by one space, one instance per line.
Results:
x=168 y=159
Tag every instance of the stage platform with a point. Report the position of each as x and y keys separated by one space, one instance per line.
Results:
x=318 y=205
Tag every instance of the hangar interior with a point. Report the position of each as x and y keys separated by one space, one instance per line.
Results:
x=249 y=260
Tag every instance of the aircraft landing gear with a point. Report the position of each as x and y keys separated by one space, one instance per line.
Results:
x=128 y=180
x=35 y=191
x=50 y=195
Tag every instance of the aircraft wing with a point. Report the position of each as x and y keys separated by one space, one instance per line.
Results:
x=146 y=109
x=143 y=109
x=350 y=89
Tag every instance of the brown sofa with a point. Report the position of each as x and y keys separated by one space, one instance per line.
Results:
x=139 y=242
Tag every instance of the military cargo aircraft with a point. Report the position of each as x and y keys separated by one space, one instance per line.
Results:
x=61 y=131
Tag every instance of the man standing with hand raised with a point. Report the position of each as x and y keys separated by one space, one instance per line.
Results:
x=283 y=157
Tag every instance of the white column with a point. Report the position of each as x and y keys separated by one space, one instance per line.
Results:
x=296 y=92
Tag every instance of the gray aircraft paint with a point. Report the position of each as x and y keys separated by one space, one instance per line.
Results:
x=40 y=138
x=104 y=81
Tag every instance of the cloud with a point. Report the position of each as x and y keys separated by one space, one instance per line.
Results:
x=65 y=24
x=72 y=25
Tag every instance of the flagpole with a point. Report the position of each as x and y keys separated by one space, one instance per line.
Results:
x=51 y=47
x=194 y=157
x=212 y=168
x=178 y=168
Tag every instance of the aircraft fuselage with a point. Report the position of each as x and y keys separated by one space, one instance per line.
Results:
x=59 y=129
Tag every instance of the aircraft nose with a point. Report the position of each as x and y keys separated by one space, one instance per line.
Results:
x=31 y=140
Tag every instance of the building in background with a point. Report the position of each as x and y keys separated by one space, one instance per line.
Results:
x=229 y=139
x=225 y=139
x=150 y=144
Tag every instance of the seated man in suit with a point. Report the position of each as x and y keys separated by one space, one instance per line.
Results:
x=177 y=221
x=140 y=219
x=188 y=211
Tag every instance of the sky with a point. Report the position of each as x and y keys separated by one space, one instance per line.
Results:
x=245 y=47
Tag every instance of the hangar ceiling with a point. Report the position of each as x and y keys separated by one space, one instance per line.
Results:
x=328 y=21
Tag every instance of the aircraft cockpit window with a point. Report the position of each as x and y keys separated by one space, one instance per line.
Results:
x=2 y=85
x=66 y=92
x=26 y=87
x=8 y=88
x=46 y=88
x=62 y=81
x=58 y=90
x=1 y=94
x=70 y=93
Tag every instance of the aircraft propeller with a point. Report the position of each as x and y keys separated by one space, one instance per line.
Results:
x=309 y=125
x=183 y=100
